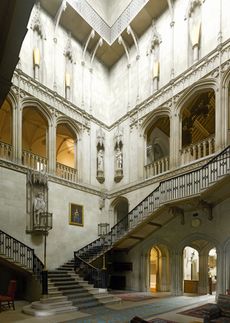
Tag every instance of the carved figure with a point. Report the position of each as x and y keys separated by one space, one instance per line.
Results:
x=100 y=160
x=119 y=158
x=39 y=207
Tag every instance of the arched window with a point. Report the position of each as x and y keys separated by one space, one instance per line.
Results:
x=157 y=150
x=198 y=126
x=6 y=130
x=66 y=149
x=34 y=138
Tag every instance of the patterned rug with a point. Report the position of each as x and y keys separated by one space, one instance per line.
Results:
x=159 y=320
x=197 y=311
x=135 y=297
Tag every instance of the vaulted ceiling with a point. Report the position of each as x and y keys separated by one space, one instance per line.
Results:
x=76 y=19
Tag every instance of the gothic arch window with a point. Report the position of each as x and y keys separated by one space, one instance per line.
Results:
x=157 y=146
x=66 y=147
x=34 y=138
x=198 y=126
x=6 y=119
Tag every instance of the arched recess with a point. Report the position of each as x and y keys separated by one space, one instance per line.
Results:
x=120 y=208
x=157 y=142
x=6 y=123
x=158 y=269
x=198 y=121
x=66 y=150
x=199 y=280
x=35 y=127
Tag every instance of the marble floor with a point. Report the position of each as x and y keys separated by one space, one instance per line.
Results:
x=163 y=306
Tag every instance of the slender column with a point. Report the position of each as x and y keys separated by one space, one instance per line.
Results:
x=52 y=145
x=203 y=274
x=176 y=274
x=17 y=142
x=175 y=139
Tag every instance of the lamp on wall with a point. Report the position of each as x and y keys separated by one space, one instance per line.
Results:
x=103 y=229
x=45 y=225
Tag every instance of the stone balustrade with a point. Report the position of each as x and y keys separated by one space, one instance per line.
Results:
x=66 y=172
x=198 y=150
x=5 y=151
x=157 y=167
x=33 y=161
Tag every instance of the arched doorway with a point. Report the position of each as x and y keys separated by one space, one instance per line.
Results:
x=34 y=139
x=159 y=275
x=191 y=270
x=212 y=270
x=66 y=152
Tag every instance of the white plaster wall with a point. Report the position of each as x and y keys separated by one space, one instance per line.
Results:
x=225 y=19
x=13 y=203
x=63 y=239
x=86 y=87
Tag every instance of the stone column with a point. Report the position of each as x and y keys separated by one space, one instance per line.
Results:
x=176 y=273
x=175 y=139
x=203 y=274
x=17 y=133
x=52 y=145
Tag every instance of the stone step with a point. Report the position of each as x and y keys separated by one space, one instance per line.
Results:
x=87 y=305
x=46 y=312
x=49 y=305
x=54 y=293
x=52 y=299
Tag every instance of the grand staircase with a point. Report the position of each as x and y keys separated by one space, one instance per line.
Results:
x=78 y=284
x=185 y=186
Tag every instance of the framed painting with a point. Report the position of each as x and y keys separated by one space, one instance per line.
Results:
x=76 y=214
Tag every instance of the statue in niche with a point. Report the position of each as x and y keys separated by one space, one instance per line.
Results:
x=119 y=158
x=100 y=160
x=39 y=207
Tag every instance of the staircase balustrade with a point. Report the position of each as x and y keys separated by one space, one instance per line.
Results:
x=20 y=254
x=176 y=188
x=93 y=275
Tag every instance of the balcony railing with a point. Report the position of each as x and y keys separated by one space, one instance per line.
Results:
x=66 y=172
x=33 y=161
x=157 y=167
x=198 y=150
x=5 y=151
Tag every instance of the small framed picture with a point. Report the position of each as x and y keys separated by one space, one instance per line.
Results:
x=76 y=214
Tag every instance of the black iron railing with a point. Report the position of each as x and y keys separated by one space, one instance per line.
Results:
x=95 y=276
x=176 y=188
x=20 y=254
